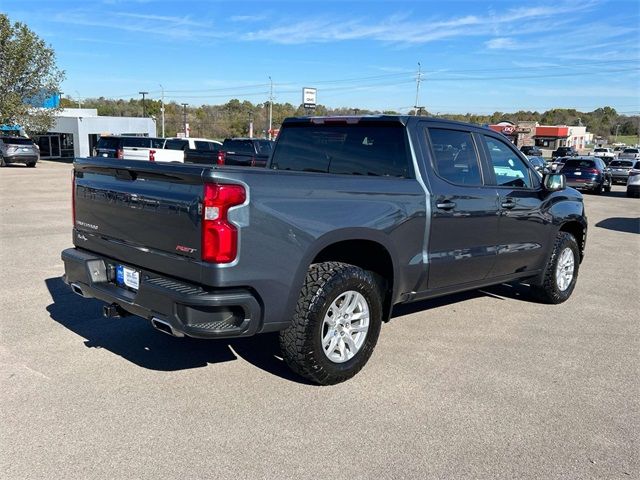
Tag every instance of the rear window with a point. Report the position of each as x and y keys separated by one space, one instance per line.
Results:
x=17 y=141
x=630 y=150
x=265 y=148
x=110 y=143
x=636 y=166
x=176 y=144
x=376 y=149
x=138 y=142
x=579 y=164
x=157 y=142
x=239 y=146
x=204 y=145
x=601 y=150
x=621 y=163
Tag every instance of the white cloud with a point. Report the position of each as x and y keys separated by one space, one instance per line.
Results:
x=501 y=43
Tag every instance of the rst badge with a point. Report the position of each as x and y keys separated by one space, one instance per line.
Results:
x=183 y=249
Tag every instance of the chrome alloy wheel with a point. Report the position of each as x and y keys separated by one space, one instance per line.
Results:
x=345 y=326
x=564 y=269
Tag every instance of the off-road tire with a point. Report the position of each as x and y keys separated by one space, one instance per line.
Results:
x=301 y=342
x=546 y=290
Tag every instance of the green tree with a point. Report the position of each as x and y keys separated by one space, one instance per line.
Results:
x=28 y=75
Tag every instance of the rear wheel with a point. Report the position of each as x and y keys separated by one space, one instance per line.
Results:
x=336 y=323
x=2 y=162
x=31 y=164
x=561 y=272
x=598 y=189
x=607 y=187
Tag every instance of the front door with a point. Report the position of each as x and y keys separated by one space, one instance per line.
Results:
x=464 y=212
x=520 y=197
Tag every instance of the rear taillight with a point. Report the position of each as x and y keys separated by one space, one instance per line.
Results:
x=222 y=156
x=219 y=237
x=119 y=153
x=152 y=155
x=73 y=198
x=594 y=171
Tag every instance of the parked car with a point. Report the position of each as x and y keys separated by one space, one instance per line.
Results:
x=190 y=150
x=629 y=154
x=620 y=170
x=564 y=152
x=605 y=154
x=531 y=150
x=587 y=173
x=618 y=150
x=252 y=152
x=538 y=163
x=633 y=181
x=18 y=150
x=348 y=221
x=126 y=147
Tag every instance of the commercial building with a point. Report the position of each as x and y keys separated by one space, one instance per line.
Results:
x=547 y=137
x=76 y=131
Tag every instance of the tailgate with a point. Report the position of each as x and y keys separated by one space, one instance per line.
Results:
x=152 y=208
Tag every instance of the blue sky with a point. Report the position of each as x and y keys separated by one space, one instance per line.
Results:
x=475 y=56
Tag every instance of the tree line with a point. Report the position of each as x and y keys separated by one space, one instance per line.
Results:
x=232 y=119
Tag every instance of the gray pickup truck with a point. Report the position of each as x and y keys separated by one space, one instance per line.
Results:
x=352 y=216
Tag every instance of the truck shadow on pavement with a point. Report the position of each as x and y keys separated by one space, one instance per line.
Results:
x=621 y=224
x=134 y=339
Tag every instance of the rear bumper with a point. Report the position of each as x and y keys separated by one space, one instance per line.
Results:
x=587 y=183
x=187 y=308
x=20 y=158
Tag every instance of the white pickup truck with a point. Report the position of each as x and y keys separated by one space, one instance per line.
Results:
x=606 y=154
x=176 y=149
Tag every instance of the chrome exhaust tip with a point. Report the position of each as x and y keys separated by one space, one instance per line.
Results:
x=165 y=327
x=77 y=289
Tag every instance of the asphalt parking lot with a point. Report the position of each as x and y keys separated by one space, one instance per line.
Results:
x=482 y=385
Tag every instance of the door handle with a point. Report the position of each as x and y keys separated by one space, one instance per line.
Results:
x=446 y=205
x=509 y=204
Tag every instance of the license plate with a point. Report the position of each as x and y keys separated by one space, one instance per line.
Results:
x=105 y=154
x=577 y=173
x=128 y=276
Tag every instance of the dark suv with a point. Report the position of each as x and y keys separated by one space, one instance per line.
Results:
x=18 y=150
x=531 y=150
x=587 y=173
x=112 y=146
x=564 y=152
x=252 y=152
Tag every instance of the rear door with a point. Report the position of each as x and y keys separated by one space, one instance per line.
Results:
x=464 y=211
x=522 y=235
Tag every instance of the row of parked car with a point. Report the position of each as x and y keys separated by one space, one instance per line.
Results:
x=252 y=152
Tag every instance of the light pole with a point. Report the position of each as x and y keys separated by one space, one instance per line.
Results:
x=270 y=106
x=617 y=128
x=184 y=118
x=144 y=110
x=79 y=99
x=162 y=108
x=418 y=110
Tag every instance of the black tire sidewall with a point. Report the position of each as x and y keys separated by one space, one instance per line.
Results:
x=559 y=296
x=349 y=279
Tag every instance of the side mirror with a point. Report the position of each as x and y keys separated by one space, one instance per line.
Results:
x=554 y=182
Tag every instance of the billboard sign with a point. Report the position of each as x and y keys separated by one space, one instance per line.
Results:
x=309 y=97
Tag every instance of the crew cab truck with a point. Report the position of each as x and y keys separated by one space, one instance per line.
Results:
x=250 y=152
x=352 y=216
x=190 y=150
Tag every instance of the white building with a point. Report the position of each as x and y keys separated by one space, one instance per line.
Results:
x=76 y=131
x=579 y=137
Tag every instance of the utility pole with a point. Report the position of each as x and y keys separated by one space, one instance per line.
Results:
x=270 y=107
x=79 y=99
x=418 y=80
x=144 y=110
x=162 y=108
x=617 y=128
x=184 y=118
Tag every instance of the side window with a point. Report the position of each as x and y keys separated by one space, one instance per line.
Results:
x=201 y=145
x=455 y=156
x=509 y=169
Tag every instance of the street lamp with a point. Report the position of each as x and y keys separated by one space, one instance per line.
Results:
x=184 y=117
x=144 y=110
x=162 y=108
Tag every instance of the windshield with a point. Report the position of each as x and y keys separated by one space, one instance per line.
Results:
x=621 y=163
x=17 y=141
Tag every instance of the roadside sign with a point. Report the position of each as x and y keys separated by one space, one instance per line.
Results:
x=309 y=97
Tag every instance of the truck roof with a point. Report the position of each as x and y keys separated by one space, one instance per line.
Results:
x=353 y=119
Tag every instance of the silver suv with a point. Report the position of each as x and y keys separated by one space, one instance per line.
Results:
x=18 y=150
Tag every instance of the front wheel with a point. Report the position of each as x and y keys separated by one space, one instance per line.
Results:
x=561 y=272
x=336 y=323
x=2 y=162
x=31 y=164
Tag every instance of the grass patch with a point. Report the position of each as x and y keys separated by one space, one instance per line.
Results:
x=626 y=139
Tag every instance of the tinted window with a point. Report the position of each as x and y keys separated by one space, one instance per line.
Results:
x=455 y=156
x=138 y=142
x=239 y=146
x=621 y=163
x=630 y=150
x=264 y=147
x=636 y=166
x=157 y=142
x=508 y=167
x=176 y=144
x=17 y=141
x=579 y=164
x=605 y=150
x=203 y=145
x=364 y=149
x=108 y=142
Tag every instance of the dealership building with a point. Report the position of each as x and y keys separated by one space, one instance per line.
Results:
x=547 y=137
x=76 y=131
